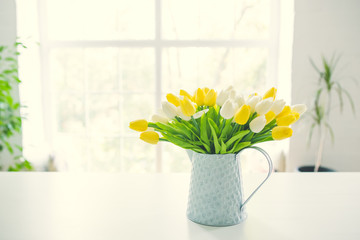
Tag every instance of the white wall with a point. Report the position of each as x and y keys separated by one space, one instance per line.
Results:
x=325 y=27
x=8 y=37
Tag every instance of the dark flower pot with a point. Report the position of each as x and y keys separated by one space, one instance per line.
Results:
x=312 y=167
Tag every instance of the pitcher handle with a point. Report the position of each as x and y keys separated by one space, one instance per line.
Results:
x=269 y=173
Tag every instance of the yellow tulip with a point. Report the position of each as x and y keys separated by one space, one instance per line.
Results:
x=210 y=98
x=286 y=120
x=286 y=111
x=199 y=97
x=242 y=115
x=186 y=94
x=206 y=90
x=271 y=93
x=270 y=115
x=173 y=99
x=150 y=137
x=281 y=132
x=139 y=125
x=187 y=107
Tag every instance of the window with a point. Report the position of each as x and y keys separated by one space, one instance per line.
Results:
x=105 y=63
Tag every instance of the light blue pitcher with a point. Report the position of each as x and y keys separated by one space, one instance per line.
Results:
x=216 y=193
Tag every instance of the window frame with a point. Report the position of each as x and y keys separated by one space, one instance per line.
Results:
x=158 y=44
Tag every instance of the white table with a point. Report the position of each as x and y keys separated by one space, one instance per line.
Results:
x=35 y=206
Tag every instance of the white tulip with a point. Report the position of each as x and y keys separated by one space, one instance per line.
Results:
x=299 y=108
x=228 y=110
x=180 y=114
x=222 y=97
x=252 y=102
x=159 y=118
x=278 y=106
x=232 y=93
x=263 y=106
x=240 y=100
x=258 y=124
x=169 y=109
x=200 y=113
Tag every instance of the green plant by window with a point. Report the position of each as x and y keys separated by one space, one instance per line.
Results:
x=10 y=121
x=322 y=105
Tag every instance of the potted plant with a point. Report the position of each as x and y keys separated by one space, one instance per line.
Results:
x=215 y=128
x=328 y=86
x=10 y=120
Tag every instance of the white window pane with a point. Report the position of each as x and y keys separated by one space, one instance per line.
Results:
x=137 y=69
x=136 y=106
x=213 y=19
x=105 y=155
x=70 y=113
x=104 y=114
x=67 y=69
x=137 y=156
x=189 y=68
x=100 y=20
x=71 y=152
x=102 y=69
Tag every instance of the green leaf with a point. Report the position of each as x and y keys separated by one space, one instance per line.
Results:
x=203 y=129
x=216 y=143
x=248 y=137
x=350 y=99
x=9 y=147
x=182 y=143
x=236 y=137
x=223 y=147
x=227 y=129
x=240 y=146
x=331 y=132
x=311 y=132
x=213 y=124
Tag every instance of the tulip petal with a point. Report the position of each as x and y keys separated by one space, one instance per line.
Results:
x=173 y=99
x=186 y=94
x=263 y=106
x=271 y=93
x=169 y=110
x=187 y=107
x=159 y=118
x=281 y=132
x=286 y=111
x=257 y=124
x=150 y=137
x=227 y=111
x=200 y=113
x=199 y=97
x=270 y=115
x=139 y=125
x=242 y=115
x=210 y=98
x=278 y=106
x=299 y=108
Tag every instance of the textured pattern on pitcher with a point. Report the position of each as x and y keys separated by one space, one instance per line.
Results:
x=215 y=190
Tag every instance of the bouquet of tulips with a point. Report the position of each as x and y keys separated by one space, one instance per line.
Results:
x=219 y=123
